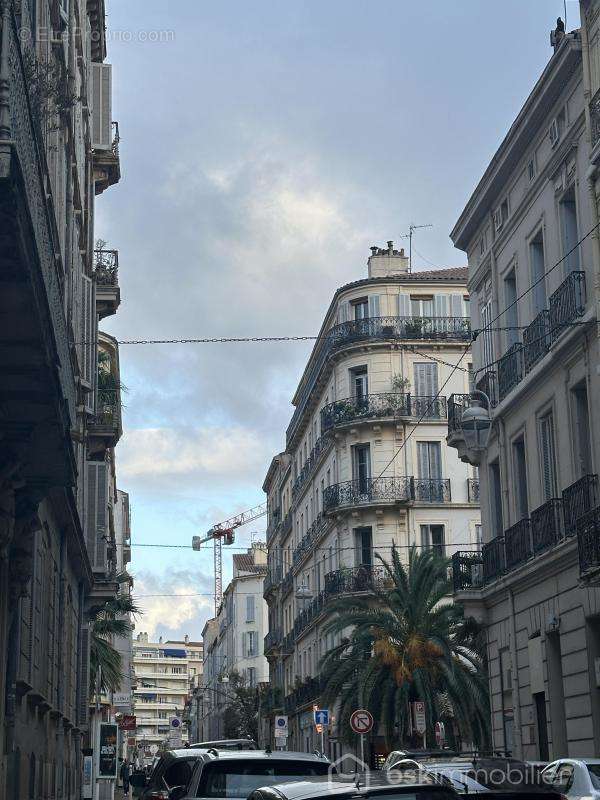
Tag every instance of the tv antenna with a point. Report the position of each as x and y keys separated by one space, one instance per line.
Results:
x=411 y=229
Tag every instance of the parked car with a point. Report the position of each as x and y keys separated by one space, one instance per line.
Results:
x=228 y=744
x=173 y=769
x=365 y=788
x=235 y=774
x=573 y=777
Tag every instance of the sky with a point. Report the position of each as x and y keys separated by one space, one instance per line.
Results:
x=265 y=146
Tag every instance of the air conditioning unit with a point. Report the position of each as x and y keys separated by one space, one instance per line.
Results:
x=553 y=132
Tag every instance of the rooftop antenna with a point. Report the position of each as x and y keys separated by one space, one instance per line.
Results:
x=409 y=235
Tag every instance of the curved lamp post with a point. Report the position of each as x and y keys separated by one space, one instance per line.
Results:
x=477 y=424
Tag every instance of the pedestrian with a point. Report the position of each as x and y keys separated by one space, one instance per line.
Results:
x=124 y=774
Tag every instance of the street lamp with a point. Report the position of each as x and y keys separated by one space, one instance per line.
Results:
x=476 y=425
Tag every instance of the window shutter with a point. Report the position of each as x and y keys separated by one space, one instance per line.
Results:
x=96 y=514
x=435 y=460
x=422 y=459
x=440 y=305
x=403 y=305
x=101 y=110
x=88 y=348
x=250 y=608
x=426 y=380
x=344 y=312
x=548 y=461
x=456 y=305
x=374 y=305
x=84 y=678
x=244 y=646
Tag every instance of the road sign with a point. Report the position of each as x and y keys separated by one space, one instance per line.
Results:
x=321 y=716
x=419 y=715
x=281 y=726
x=361 y=721
x=175 y=722
x=127 y=722
x=440 y=733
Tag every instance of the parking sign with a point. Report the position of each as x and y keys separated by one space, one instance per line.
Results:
x=281 y=726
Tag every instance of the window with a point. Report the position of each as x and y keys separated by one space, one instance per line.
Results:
x=470 y=378
x=581 y=430
x=250 y=644
x=433 y=538
x=429 y=460
x=547 y=455
x=359 y=383
x=362 y=466
x=486 y=337
x=478 y=535
x=520 y=478
x=511 y=316
x=496 y=498
x=250 y=608
x=531 y=169
x=364 y=546
x=426 y=379
x=251 y=677
x=500 y=216
x=360 y=308
x=538 y=267
x=421 y=306
x=569 y=232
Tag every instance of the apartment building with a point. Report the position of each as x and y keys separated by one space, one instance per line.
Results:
x=58 y=154
x=164 y=673
x=533 y=281
x=366 y=463
x=234 y=642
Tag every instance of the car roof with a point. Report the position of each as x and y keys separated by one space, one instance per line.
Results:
x=575 y=760
x=275 y=755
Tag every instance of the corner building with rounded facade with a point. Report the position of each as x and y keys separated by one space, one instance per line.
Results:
x=366 y=465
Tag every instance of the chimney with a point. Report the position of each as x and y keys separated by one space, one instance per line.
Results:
x=186 y=638
x=259 y=552
x=387 y=262
x=160 y=640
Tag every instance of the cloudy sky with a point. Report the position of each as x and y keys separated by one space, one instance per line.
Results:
x=265 y=146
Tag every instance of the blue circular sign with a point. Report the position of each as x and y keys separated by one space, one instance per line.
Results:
x=175 y=723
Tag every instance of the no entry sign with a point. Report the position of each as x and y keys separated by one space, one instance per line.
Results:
x=361 y=721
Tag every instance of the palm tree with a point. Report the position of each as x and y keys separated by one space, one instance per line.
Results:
x=112 y=621
x=404 y=643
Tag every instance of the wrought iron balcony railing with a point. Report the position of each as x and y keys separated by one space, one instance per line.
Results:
x=579 y=499
x=536 y=340
x=488 y=383
x=547 y=525
x=494 y=561
x=368 y=491
x=106 y=421
x=595 y=118
x=306 y=692
x=310 y=538
x=273 y=640
x=473 y=492
x=567 y=303
x=106 y=267
x=309 y=613
x=377 y=329
x=349 y=580
x=467 y=570
x=371 y=406
x=510 y=369
x=287 y=584
x=311 y=462
x=588 y=543
x=457 y=404
x=428 y=407
x=517 y=543
x=272 y=579
x=431 y=490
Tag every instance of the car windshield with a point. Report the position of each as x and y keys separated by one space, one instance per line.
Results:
x=239 y=778
x=594 y=770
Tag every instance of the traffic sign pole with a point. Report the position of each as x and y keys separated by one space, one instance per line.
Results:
x=362 y=749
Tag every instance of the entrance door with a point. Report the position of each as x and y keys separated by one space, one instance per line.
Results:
x=542 y=725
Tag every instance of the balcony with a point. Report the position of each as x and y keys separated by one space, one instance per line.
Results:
x=309 y=539
x=473 y=493
x=106 y=277
x=272 y=580
x=376 y=329
x=567 y=303
x=387 y=405
x=309 y=613
x=547 y=525
x=311 y=462
x=367 y=492
x=286 y=523
x=510 y=370
x=577 y=500
x=595 y=118
x=517 y=543
x=431 y=490
x=351 y=580
x=427 y=407
x=107 y=163
x=493 y=558
x=488 y=384
x=106 y=425
x=467 y=570
x=536 y=340
x=588 y=545
x=273 y=641
x=287 y=583
x=306 y=692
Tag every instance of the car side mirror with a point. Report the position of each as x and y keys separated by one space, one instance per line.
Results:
x=177 y=792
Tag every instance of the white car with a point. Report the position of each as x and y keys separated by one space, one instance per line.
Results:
x=574 y=778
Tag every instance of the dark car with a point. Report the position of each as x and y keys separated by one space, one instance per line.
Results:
x=173 y=769
x=361 y=787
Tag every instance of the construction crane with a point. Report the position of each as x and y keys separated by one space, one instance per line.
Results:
x=223 y=532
